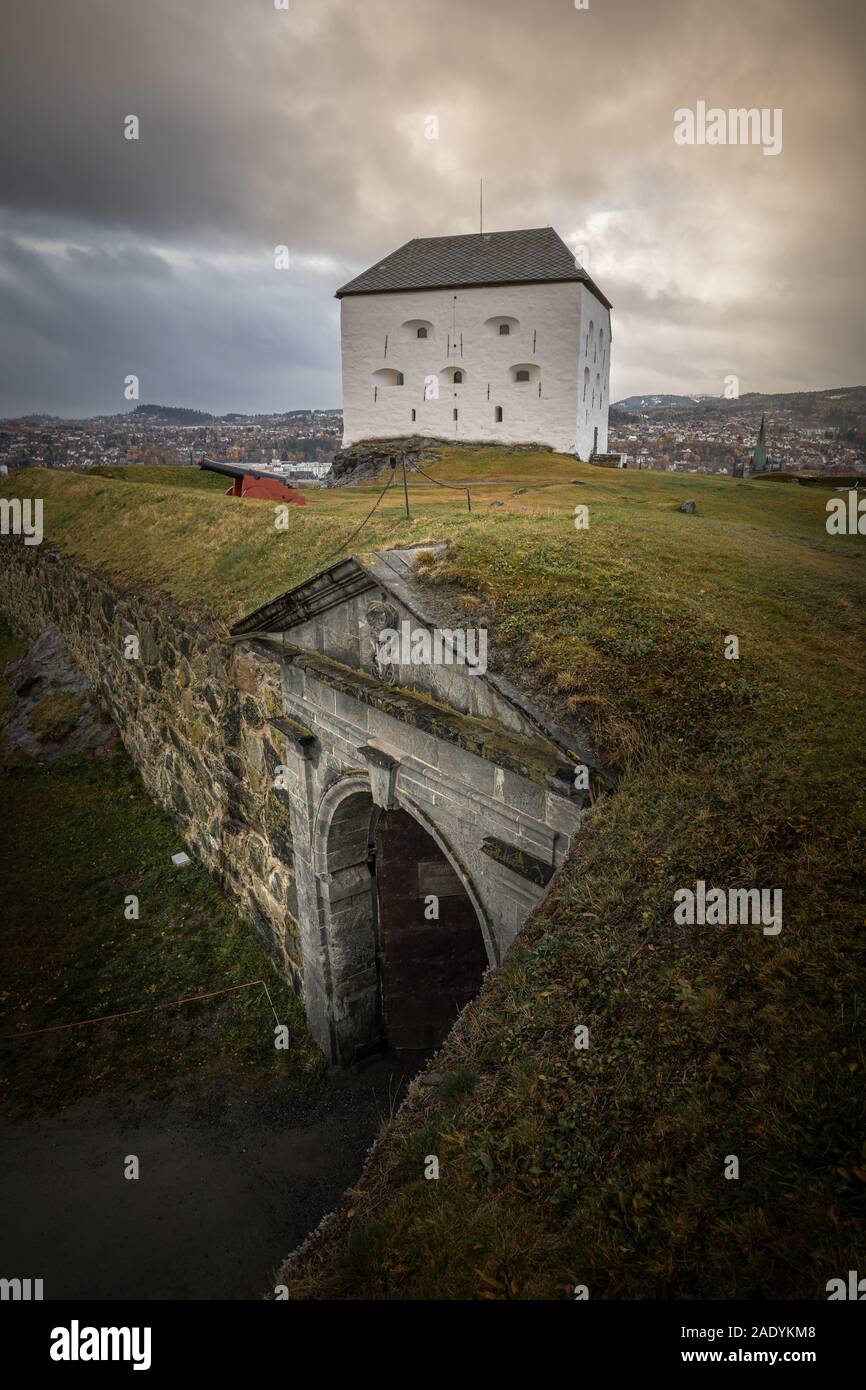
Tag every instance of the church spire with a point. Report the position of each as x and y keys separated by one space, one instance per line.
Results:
x=759 y=457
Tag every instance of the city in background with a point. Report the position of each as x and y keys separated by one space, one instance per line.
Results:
x=818 y=432
x=302 y=442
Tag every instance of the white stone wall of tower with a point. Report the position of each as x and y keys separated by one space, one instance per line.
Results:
x=549 y=336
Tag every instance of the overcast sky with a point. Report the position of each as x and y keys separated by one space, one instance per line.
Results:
x=307 y=126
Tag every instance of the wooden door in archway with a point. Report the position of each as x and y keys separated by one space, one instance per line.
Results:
x=432 y=952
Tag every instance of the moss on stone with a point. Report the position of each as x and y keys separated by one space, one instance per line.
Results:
x=273 y=701
x=278 y=827
x=54 y=718
x=197 y=732
x=252 y=712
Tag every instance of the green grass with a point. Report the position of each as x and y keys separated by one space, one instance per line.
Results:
x=157 y=475
x=605 y=1167
x=224 y=555
x=79 y=836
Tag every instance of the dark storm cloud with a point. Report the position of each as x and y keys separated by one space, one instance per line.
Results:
x=223 y=331
x=307 y=127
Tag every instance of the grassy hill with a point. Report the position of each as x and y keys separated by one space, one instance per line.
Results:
x=159 y=475
x=606 y=1167
x=842 y=406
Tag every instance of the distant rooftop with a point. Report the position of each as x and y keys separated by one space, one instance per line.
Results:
x=481 y=258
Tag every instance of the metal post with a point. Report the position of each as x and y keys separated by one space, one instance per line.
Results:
x=405 y=486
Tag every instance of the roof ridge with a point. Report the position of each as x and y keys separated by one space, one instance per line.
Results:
x=505 y=231
x=522 y=255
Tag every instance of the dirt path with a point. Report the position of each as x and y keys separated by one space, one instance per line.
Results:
x=230 y=1181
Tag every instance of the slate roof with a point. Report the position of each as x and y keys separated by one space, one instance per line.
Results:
x=481 y=258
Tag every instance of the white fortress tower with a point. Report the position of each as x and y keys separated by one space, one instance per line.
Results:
x=498 y=336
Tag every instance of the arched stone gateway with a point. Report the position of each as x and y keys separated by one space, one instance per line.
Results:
x=430 y=804
x=432 y=952
x=405 y=934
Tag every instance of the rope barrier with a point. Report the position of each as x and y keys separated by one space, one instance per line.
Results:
x=128 y=1013
x=458 y=487
x=330 y=557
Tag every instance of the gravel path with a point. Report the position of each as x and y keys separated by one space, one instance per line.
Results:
x=231 y=1180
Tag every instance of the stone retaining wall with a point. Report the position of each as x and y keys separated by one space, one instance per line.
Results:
x=193 y=711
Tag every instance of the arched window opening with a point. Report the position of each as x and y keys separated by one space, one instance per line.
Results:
x=413 y=415
x=522 y=372
x=388 y=376
x=455 y=414
x=411 y=330
x=501 y=325
x=498 y=415
x=452 y=376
